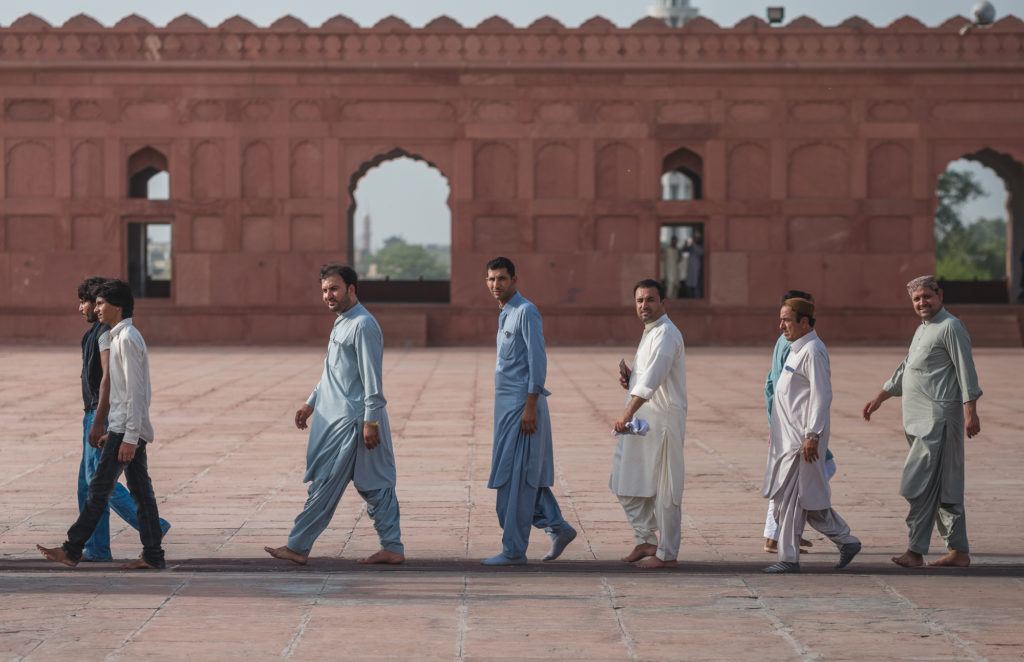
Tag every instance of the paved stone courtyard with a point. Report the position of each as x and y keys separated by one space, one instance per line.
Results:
x=228 y=466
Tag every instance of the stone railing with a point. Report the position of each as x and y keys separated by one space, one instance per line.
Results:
x=496 y=43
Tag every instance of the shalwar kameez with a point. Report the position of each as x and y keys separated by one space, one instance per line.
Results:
x=350 y=393
x=647 y=471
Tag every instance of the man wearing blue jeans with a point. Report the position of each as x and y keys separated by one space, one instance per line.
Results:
x=96 y=401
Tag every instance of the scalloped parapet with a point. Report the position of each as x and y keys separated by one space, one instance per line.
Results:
x=598 y=24
x=954 y=23
x=134 y=22
x=81 y=22
x=1008 y=24
x=856 y=23
x=649 y=23
x=906 y=24
x=392 y=23
x=289 y=23
x=186 y=23
x=444 y=24
x=339 y=23
x=702 y=24
x=495 y=23
x=30 y=22
x=804 y=22
x=545 y=24
x=753 y=24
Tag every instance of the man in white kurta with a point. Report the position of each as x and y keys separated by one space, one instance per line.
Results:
x=647 y=470
x=670 y=268
x=795 y=477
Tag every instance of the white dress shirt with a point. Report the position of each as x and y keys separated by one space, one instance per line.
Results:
x=130 y=392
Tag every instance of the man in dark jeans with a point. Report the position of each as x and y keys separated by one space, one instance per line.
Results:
x=128 y=432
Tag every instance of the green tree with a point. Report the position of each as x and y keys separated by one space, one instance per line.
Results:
x=398 y=260
x=966 y=252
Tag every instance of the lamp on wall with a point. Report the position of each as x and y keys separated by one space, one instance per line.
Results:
x=776 y=15
x=983 y=15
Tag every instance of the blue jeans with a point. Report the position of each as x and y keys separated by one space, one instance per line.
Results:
x=102 y=487
x=98 y=546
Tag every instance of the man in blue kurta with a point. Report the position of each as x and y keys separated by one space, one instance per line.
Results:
x=522 y=465
x=349 y=435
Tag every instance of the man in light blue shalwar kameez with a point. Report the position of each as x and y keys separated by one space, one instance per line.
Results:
x=522 y=464
x=349 y=435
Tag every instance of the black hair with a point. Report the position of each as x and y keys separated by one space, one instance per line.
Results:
x=342 y=271
x=117 y=293
x=797 y=294
x=651 y=283
x=87 y=288
x=502 y=263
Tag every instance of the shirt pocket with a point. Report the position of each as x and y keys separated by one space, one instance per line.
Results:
x=506 y=343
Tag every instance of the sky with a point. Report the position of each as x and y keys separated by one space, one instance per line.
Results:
x=423 y=188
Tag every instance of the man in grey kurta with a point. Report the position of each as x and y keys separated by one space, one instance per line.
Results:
x=939 y=387
x=349 y=435
x=522 y=464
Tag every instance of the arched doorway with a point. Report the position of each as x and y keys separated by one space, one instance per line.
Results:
x=400 y=229
x=979 y=228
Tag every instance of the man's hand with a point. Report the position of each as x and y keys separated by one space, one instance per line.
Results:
x=624 y=374
x=620 y=425
x=126 y=452
x=102 y=440
x=972 y=423
x=872 y=405
x=810 y=449
x=371 y=435
x=528 y=424
x=302 y=415
x=96 y=436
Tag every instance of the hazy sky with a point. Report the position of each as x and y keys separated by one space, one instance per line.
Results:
x=401 y=191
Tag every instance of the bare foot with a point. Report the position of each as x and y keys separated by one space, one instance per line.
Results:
x=639 y=552
x=953 y=559
x=772 y=546
x=287 y=555
x=653 y=563
x=909 y=559
x=56 y=554
x=138 y=564
x=384 y=557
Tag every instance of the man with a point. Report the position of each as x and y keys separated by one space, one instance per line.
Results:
x=96 y=399
x=695 y=268
x=670 y=267
x=795 y=477
x=779 y=356
x=647 y=471
x=939 y=387
x=124 y=445
x=522 y=463
x=349 y=436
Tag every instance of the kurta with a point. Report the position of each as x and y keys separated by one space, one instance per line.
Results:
x=351 y=392
x=520 y=370
x=935 y=380
x=801 y=404
x=645 y=465
x=779 y=355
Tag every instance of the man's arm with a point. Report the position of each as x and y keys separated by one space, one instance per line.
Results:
x=819 y=403
x=891 y=389
x=99 y=421
x=958 y=346
x=532 y=328
x=649 y=378
x=369 y=346
x=133 y=357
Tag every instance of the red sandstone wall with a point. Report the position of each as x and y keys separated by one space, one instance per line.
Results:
x=820 y=148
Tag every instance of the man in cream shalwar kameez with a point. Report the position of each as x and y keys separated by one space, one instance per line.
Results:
x=349 y=436
x=647 y=470
x=795 y=477
x=939 y=387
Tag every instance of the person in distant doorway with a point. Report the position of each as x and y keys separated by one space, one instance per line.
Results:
x=670 y=267
x=940 y=391
x=695 y=268
x=349 y=435
x=779 y=356
x=124 y=445
x=795 y=477
x=1020 y=295
x=647 y=469
x=522 y=462
x=96 y=401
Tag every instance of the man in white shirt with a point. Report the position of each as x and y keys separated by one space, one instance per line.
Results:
x=796 y=478
x=128 y=432
x=647 y=470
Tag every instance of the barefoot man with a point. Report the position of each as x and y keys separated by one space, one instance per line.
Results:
x=647 y=470
x=939 y=387
x=124 y=444
x=796 y=478
x=349 y=435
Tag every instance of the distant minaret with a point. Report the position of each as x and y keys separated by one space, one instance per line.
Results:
x=367 y=243
x=674 y=12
